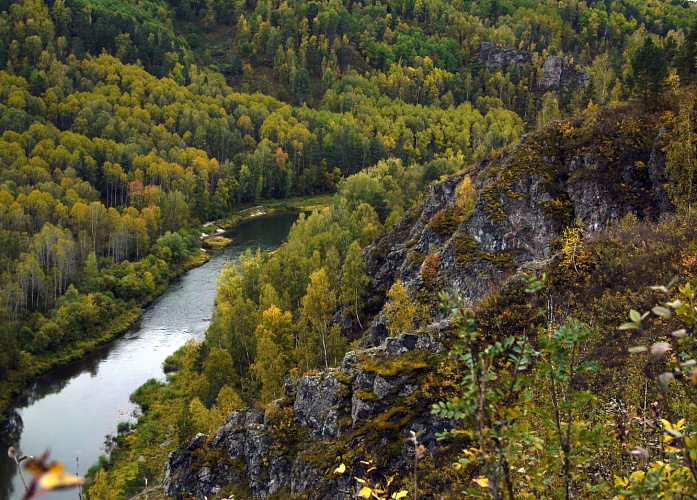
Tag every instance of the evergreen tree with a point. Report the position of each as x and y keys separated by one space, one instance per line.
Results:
x=650 y=70
x=685 y=59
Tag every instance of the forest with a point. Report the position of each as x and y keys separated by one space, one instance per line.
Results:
x=107 y=168
x=125 y=125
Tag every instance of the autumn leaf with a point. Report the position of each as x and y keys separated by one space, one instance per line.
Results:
x=56 y=478
x=48 y=476
x=481 y=481
x=365 y=492
x=341 y=469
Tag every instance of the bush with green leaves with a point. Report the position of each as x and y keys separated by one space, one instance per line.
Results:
x=532 y=430
x=667 y=459
x=521 y=411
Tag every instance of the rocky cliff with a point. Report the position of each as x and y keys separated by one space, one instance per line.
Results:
x=471 y=233
x=594 y=171
x=557 y=72
x=362 y=409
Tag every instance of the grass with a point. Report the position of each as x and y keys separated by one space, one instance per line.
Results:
x=216 y=243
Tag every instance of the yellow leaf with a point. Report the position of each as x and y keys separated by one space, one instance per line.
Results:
x=666 y=424
x=50 y=475
x=362 y=481
x=55 y=477
x=482 y=481
x=637 y=476
x=400 y=494
x=619 y=481
x=365 y=492
x=341 y=469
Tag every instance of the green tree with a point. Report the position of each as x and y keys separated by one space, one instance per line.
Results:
x=507 y=381
x=318 y=306
x=270 y=366
x=680 y=152
x=101 y=489
x=353 y=282
x=218 y=371
x=650 y=70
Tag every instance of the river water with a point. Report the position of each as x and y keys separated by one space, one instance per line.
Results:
x=72 y=408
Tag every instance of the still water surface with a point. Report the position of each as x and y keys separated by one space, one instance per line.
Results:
x=71 y=409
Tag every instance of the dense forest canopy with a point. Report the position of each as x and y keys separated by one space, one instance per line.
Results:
x=124 y=125
x=117 y=156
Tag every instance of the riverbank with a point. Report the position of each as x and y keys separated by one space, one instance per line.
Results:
x=72 y=407
x=31 y=366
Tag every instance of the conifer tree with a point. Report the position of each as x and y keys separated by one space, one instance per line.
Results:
x=650 y=70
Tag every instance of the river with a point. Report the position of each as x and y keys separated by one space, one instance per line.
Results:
x=72 y=408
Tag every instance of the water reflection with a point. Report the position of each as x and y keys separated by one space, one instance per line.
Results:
x=72 y=408
x=60 y=377
x=11 y=429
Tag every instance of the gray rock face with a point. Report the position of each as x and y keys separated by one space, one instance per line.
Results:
x=557 y=72
x=514 y=219
x=314 y=398
x=498 y=57
x=244 y=448
x=180 y=474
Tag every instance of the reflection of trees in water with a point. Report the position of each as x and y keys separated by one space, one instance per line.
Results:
x=58 y=378
x=10 y=432
x=262 y=231
x=51 y=383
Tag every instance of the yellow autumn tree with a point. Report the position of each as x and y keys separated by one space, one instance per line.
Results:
x=400 y=310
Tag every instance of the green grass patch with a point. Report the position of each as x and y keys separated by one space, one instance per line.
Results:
x=216 y=243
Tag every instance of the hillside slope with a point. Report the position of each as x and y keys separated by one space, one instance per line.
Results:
x=471 y=233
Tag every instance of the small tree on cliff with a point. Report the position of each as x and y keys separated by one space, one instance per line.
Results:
x=353 y=282
x=400 y=310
